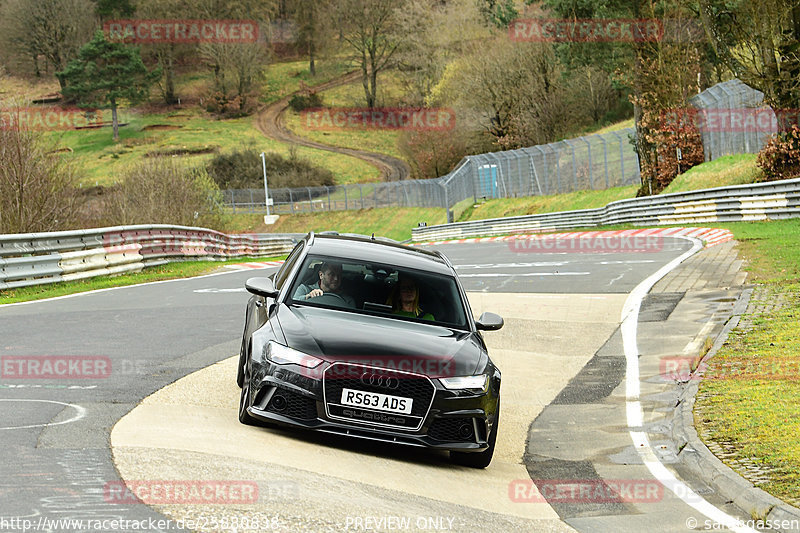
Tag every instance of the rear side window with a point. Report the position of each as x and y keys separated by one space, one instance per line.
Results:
x=283 y=273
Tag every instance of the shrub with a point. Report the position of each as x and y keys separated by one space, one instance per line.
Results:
x=242 y=170
x=432 y=153
x=165 y=191
x=37 y=186
x=302 y=101
x=780 y=158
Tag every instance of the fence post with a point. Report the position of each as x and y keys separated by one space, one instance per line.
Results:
x=574 y=166
x=310 y=201
x=345 y=197
x=291 y=200
x=591 y=170
x=328 y=190
x=621 y=157
x=605 y=157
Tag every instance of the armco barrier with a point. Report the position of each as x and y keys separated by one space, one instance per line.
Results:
x=759 y=201
x=39 y=258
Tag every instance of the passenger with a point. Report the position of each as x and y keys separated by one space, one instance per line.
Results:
x=405 y=299
x=330 y=282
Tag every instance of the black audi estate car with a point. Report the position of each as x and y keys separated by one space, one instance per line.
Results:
x=372 y=339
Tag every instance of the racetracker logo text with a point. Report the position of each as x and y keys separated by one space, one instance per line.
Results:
x=48 y=118
x=588 y=244
x=55 y=367
x=386 y=118
x=193 y=492
x=730 y=120
x=585 y=491
x=182 y=31
x=586 y=30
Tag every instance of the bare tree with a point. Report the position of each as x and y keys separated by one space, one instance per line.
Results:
x=373 y=32
x=759 y=42
x=166 y=191
x=52 y=29
x=444 y=32
x=512 y=91
x=37 y=187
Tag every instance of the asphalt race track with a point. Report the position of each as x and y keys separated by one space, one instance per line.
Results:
x=565 y=410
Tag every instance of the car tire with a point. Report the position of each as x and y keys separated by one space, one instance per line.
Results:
x=479 y=459
x=244 y=416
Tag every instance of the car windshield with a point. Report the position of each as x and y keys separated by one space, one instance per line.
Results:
x=379 y=289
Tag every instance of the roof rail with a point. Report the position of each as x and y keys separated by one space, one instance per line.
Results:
x=444 y=258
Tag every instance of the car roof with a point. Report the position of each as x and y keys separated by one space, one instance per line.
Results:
x=378 y=251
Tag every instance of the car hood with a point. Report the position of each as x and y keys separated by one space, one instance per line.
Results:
x=332 y=335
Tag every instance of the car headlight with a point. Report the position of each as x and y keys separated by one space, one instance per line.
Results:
x=466 y=382
x=283 y=355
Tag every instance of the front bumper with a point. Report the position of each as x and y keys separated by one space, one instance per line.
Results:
x=293 y=396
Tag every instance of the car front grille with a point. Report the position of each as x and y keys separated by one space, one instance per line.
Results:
x=341 y=376
x=293 y=405
x=452 y=429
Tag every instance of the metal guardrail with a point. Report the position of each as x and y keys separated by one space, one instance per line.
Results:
x=39 y=258
x=759 y=201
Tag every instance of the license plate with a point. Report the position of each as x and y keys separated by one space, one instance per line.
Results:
x=376 y=401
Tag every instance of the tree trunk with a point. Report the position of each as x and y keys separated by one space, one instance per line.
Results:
x=114 y=119
x=312 y=68
x=365 y=80
x=169 y=78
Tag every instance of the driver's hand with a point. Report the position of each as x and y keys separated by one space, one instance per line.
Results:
x=314 y=293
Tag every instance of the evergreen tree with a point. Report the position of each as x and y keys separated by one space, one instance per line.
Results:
x=104 y=74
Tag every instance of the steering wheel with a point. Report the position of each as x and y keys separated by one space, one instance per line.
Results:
x=339 y=297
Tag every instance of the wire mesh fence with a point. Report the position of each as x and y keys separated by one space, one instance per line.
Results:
x=732 y=118
x=592 y=162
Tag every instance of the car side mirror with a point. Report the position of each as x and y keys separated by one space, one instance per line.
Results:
x=261 y=287
x=489 y=322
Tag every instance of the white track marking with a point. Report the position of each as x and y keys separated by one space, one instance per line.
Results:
x=630 y=320
x=503 y=275
x=80 y=413
x=75 y=295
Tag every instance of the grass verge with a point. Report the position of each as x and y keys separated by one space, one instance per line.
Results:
x=183 y=269
x=392 y=222
x=749 y=403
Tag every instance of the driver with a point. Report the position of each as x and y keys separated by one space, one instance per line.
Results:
x=330 y=281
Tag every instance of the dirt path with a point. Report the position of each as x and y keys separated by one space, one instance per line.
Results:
x=271 y=123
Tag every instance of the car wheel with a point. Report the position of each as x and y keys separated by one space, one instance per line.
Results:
x=479 y=459
x=244 y=416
